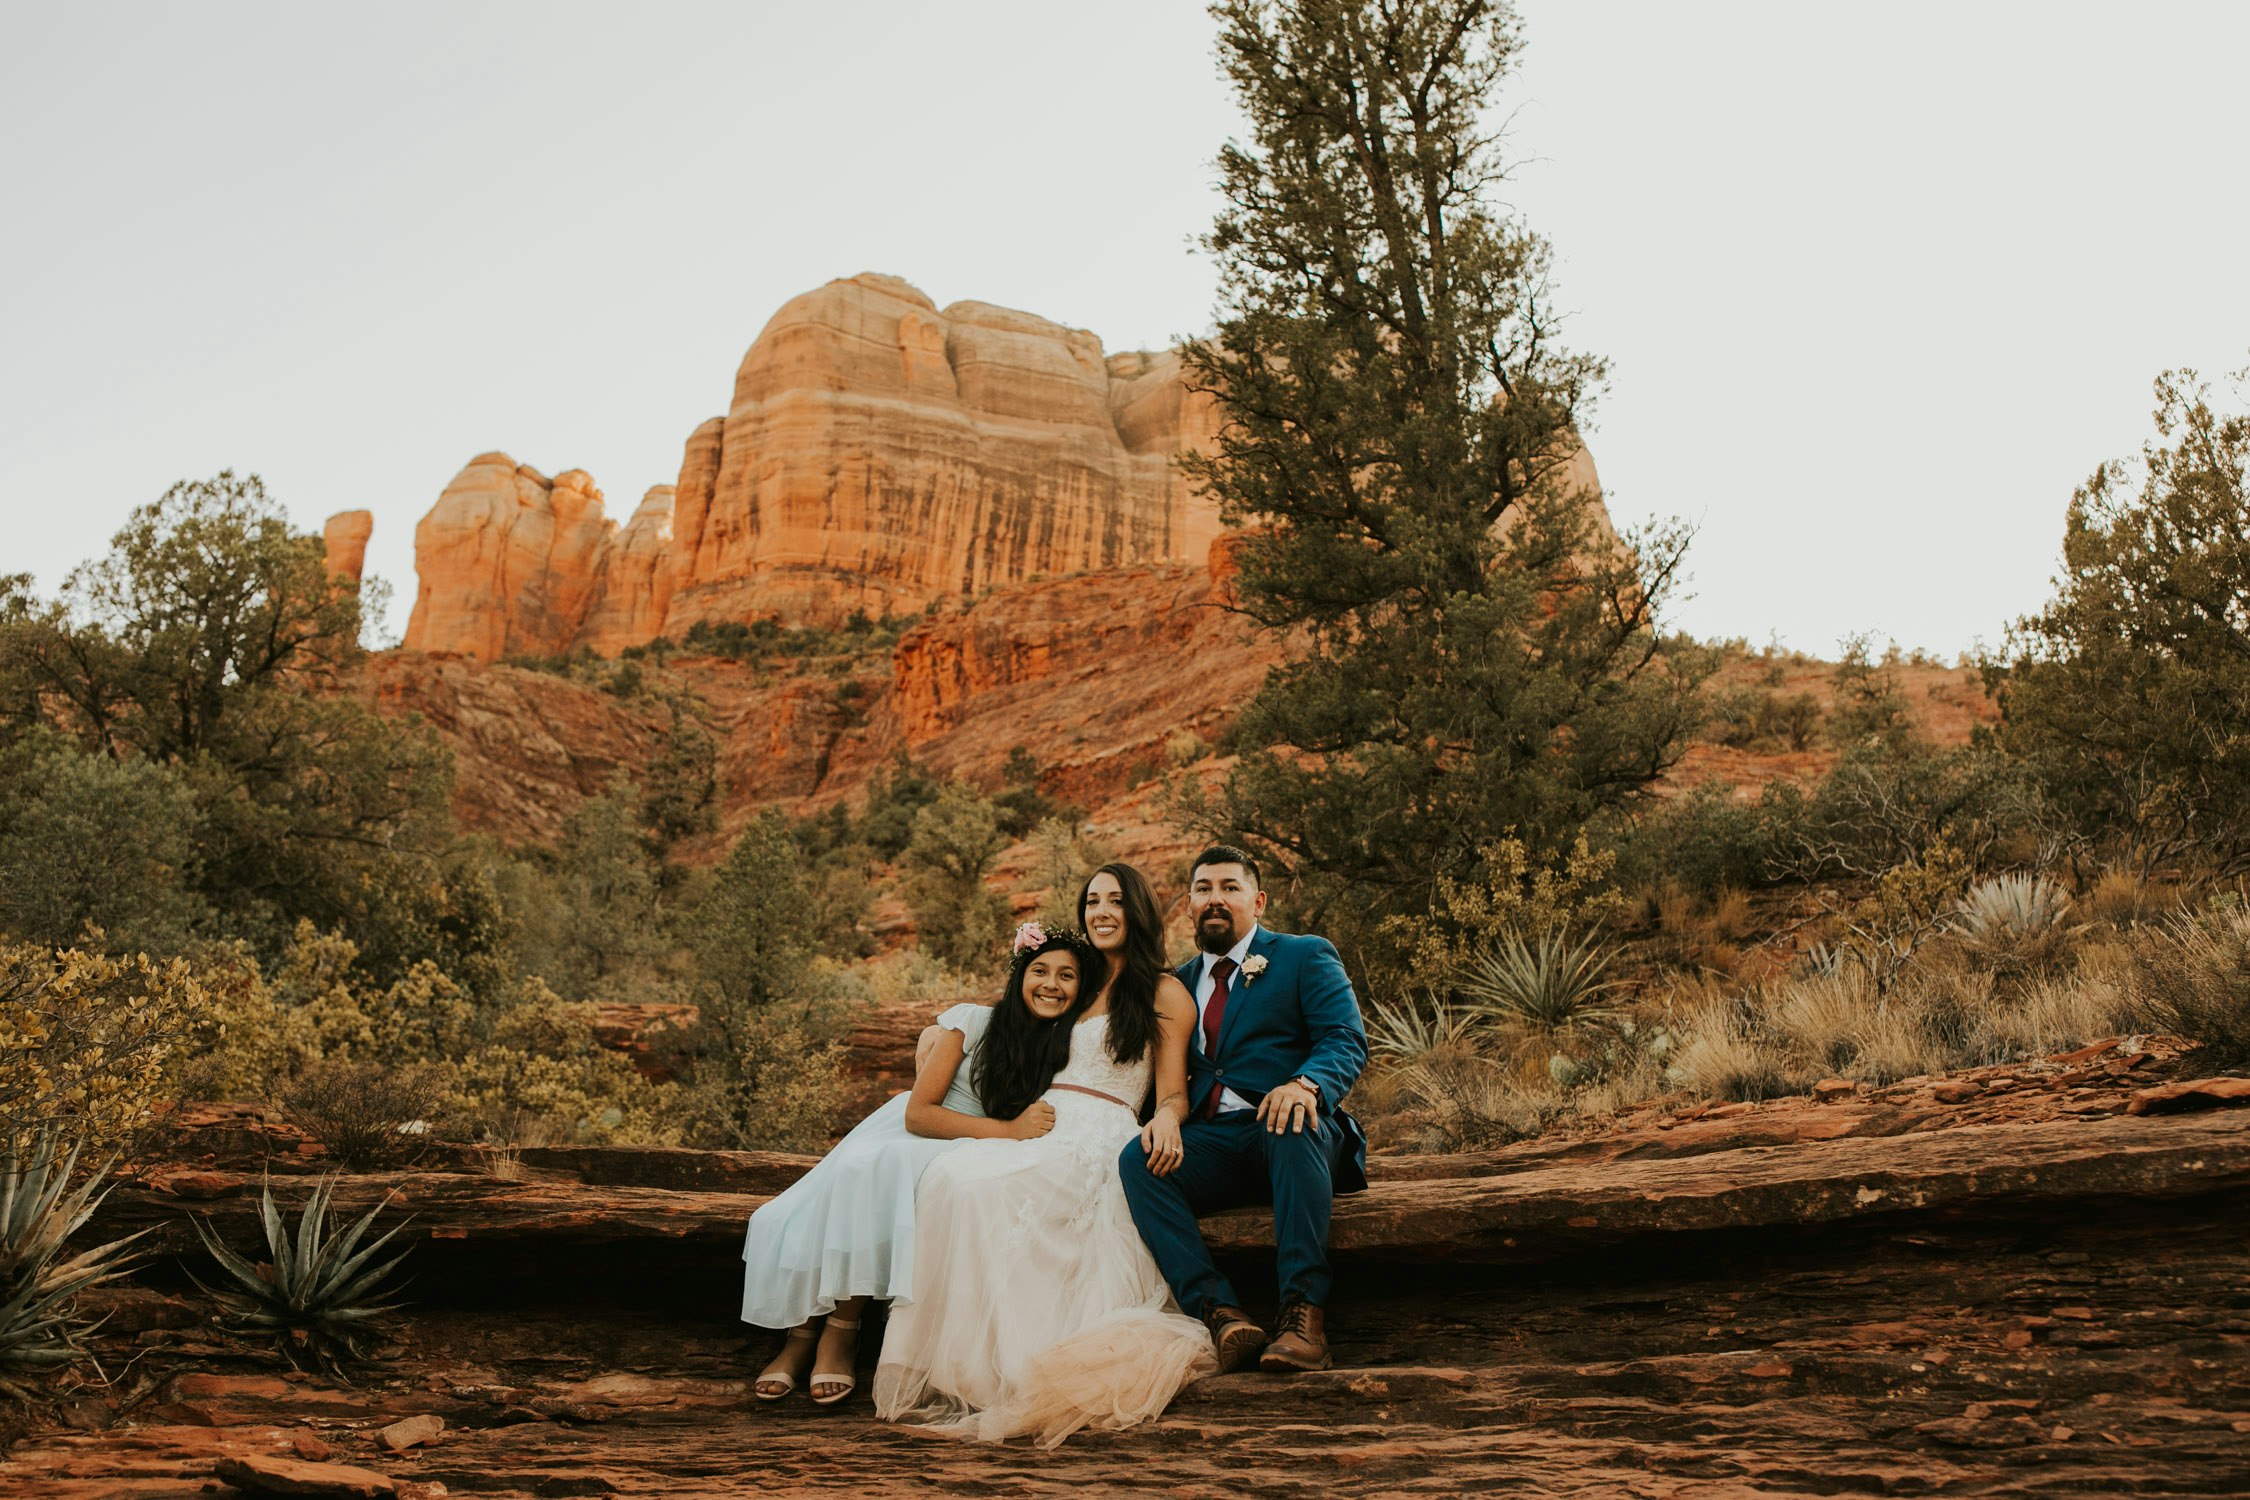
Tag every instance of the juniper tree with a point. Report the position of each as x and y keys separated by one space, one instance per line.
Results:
x=1473 y=651
x=2130 y=691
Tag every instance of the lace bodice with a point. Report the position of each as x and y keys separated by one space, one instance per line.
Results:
x=1091 y=1066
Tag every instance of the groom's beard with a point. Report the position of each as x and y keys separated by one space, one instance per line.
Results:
x=1213 y=937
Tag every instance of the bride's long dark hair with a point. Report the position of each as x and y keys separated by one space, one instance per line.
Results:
x=1132 y=999
x=1020 y=1053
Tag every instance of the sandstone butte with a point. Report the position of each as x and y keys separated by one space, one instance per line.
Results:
x=878 y=455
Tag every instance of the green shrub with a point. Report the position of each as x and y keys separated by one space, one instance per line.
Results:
x=1706 y=838
x=1504 y=890
x=518 y=1061
x=777 y=1087
x=85 y=1039
x=957 y=916
x=2129 y=693
x=1020 y=805
x=896 y=794
x=92 y=841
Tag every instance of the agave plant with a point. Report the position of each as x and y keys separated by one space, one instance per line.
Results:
x=2013 y=906
x=1546 y=986
x=39 y=1212
x=1405 y=1030
x=319 y=1301
x=2015 y=921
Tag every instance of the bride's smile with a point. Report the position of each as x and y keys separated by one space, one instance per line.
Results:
x=1105 y=912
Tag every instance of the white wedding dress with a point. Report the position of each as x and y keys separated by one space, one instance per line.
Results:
x=1036 y=1307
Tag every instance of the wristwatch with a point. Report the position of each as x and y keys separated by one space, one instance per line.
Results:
x=1308 y=1083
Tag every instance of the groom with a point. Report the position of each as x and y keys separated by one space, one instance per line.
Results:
x=1277 y=1045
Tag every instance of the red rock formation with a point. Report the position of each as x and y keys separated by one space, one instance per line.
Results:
x=527 y=746
x=880 y=454
x=507 y=562
x=634 y=573
x=345 y=540
x=1092 y=674
x=1930 y=1304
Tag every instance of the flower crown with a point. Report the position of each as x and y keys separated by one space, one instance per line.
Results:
x=1032 y=936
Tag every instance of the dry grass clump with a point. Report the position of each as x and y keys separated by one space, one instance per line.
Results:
x=1465 y=1100
x=1970 y=975
x=2055 y=1013
x=1696 y=933
x=368 y=1115
x=1948 y=1009
x=2191 y=977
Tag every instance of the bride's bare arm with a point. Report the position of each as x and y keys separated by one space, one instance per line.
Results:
x=926 y=1114
x=1175 y=1022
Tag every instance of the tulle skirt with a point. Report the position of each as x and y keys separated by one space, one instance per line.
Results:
x=844 y=1229
x=1036 y=1307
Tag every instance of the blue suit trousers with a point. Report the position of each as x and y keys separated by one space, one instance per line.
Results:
x=1230 y=1161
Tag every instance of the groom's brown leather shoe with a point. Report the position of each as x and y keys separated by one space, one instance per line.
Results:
x=1237 y=1339
x=1302 y=1343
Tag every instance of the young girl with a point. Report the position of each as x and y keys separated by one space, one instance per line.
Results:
x=844 y=1232
x=1036 y=1308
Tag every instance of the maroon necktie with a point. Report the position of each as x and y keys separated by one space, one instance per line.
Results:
x=1214 y=1013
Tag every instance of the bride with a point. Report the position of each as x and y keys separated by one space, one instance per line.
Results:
x=1036 y=1306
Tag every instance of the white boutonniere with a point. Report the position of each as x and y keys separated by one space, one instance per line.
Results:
x=1252 y=967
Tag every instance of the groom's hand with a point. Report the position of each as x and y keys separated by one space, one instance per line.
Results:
x=1290 y=1109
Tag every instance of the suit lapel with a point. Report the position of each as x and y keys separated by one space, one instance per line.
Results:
x=1238 y=992
x=1190 y=974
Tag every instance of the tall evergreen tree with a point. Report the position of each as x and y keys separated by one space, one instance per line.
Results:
x=1476 y=652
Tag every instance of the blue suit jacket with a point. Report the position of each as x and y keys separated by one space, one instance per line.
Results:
x=1298 y=1018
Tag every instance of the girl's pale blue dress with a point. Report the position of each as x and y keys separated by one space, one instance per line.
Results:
x=846 y=1228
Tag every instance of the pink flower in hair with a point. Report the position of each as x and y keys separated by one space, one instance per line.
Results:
x=1028 y=936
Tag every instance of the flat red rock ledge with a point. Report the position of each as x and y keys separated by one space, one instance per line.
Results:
x=1525 y=1215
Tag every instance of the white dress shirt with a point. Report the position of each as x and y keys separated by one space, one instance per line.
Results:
x=1228 y=1098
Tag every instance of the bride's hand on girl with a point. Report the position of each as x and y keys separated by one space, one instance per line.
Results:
x=1160 y=1144
x=1037 y=1119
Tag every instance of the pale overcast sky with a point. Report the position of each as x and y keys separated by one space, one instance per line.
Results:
x=1879 y=284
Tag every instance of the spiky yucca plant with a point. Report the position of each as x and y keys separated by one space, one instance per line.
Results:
x=40 y=1331
x=2013 y=903
x=2015 y=921
x=1547 y=985
x=1405 y=1030
x=320 y=1304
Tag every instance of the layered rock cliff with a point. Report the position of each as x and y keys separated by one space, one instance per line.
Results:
x=878 y=455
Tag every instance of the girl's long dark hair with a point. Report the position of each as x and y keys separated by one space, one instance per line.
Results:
x=1021 y=1054
x=1132 y=1000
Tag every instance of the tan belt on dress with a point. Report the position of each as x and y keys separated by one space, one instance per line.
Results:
x=1097 y=1093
